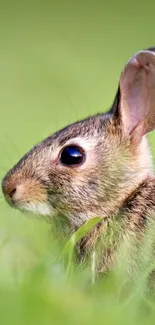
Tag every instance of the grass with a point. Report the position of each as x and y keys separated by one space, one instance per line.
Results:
x=53 y=288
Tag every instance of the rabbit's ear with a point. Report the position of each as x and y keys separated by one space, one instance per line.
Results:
x=135 y=100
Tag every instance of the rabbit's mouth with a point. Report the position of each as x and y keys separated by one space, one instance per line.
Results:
x=37 y=208
x=27 y=195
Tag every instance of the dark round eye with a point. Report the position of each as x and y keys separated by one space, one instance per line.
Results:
x=72 y=155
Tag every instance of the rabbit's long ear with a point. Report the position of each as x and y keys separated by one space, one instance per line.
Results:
x=135 y=100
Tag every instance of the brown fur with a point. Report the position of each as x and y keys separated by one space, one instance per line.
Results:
x=116 y=181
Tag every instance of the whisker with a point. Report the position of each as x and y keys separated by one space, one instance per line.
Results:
x=88 y=106
x=7 y=154
x=72 y=106
x=4 y=169
x=10 y=140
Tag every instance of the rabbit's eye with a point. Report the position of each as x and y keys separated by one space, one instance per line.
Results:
x=72 y=155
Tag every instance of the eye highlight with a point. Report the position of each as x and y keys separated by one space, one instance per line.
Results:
x=72 y=156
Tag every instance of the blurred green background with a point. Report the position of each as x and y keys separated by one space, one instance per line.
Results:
x=59 y=61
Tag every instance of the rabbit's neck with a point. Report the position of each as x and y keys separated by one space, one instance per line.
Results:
x=128 y=226
x=139 y=172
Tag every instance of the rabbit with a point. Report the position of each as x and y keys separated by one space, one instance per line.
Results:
x=100 y=166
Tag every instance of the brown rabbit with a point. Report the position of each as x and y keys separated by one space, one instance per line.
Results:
x=100 y=166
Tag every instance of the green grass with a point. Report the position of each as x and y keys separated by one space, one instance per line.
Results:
x=60 y=61
x=55 y=289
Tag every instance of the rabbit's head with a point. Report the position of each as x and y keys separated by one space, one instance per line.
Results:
x=90 y=168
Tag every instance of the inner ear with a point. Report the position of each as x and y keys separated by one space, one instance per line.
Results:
x=115 y=106
x=134 y=103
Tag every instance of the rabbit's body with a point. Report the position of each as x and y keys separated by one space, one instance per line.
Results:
x=100 y=166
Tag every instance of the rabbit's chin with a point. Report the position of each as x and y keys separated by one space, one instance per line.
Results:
x=38 y=208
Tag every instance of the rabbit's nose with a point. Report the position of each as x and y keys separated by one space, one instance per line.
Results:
x=11 y=193
x=9 y=190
